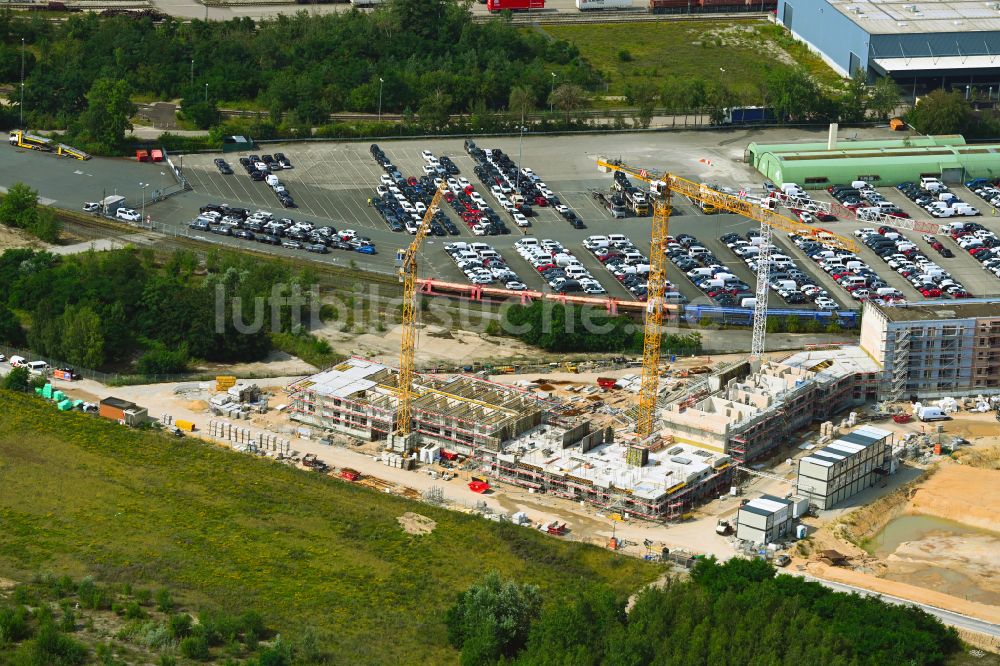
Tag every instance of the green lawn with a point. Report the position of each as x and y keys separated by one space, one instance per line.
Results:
x=83 y=496
x=648 y=53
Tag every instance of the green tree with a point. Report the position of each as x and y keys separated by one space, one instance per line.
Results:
x=854 y=99
x=435 y=109
x=941 y=112
x=521 y=102
x=204 y=114
x=46 y=226
x=19 y=207
x=11 y=332
x=492 y=619
x=884 y=97
x=794 y=94
x=567 y=97
x=18 y=379
x=81 y=337
x=109 y=107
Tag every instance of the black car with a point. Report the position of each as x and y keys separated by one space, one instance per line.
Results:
x=244 y=234
x=946 y=253
x=287 y=201
x=268 y=239
x=318 y=248
x=225 y=169
x=257 y=175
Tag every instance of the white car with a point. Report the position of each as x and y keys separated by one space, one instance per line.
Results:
x=520 y=220
x=430 y=170
x=464 y=182
x=428 y=156
x=91 y=206
x=128 y=215
x=516 y=286
x=824 y=303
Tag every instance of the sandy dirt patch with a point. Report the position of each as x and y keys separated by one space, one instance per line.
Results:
x=414 y=523
x=16 y=238
x=435 y=344
x=959 y=492
x=277 y=363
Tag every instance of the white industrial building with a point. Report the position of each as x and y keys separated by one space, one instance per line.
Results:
x=845 y=466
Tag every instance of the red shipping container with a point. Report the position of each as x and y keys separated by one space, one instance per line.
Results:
x=514 y=5
x=142 y=156
x=660 y=5
x=157 y=155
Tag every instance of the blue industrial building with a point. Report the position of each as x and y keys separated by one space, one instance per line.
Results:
x=922 y=44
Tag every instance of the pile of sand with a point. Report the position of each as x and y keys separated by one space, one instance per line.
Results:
x=414 y=523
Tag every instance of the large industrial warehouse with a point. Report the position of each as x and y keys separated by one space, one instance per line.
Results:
x=922 y=45
x=886 y=162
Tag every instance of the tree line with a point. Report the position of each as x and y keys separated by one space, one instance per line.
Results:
x=125 y=310
x=572 y=328
x=735 y=613
x=423 y=57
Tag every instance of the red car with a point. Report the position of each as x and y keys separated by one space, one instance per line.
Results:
x=931 y=293
x=937 y=245
x=541 y=201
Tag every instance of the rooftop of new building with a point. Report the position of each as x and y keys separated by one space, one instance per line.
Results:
x=667 y=470
x=766 y=505
x=972 y=308
x=464 y=398
x=847 y=446
x=897 y=17
x=830 y=364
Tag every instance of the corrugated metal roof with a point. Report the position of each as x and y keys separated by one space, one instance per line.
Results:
x=817 y=461
x=919 y=17
x=922 y=63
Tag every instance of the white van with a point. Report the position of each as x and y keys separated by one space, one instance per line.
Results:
x=37 y=367
x=16 y=361
x=618 y=238
x=748 y=303
x=271 y=180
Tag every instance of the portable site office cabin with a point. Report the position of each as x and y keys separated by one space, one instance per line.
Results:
x=888 y=162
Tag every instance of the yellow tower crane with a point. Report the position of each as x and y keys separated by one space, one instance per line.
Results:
x=662 y=187
x=408 y=276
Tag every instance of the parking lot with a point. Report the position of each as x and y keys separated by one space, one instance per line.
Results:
x=332 y=182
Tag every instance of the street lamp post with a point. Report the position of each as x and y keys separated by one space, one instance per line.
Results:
x=381 y=81
x=22 y=83
x=967 y=92
x=192 y=72
x=520 y=152
x=206 y=92
x=552 y=91
x=143 y=186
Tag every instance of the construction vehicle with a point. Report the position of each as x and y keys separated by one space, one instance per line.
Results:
x=662 y=188
x=407 y=347
x=22 y=139
x=723 y=527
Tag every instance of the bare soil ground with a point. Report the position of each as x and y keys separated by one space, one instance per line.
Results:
x=17 y=238
x=414 y=523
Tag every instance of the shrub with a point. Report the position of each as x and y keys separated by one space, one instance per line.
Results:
x=134 y=612
x=164 y=603
x=195 y=647
x=179 y=625
x=624 y=56
x=14 y=624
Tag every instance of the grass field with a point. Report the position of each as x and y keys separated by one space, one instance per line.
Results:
x=649 y=53
x=82 y=496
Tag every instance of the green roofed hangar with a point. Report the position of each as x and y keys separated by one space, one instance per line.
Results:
x=882 y=162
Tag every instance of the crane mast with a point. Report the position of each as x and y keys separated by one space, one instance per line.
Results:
x=664 y=186
x=407 y=347
x=649 y=387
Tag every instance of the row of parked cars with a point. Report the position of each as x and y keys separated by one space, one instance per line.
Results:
x=628 y=265
x=981 y=244
x=855 y=276
x=262 y=227
x=558 y=267
x=262 y=168
x=933 y=196
x=903 y=256
x=516 y=189
x=402 y=202
x=986 y=190
x=786 y=278
x=483 y=265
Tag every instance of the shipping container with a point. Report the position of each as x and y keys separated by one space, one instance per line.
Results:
x=590 y=5
x=671 y=6
x=184 y=425
x=514 y=5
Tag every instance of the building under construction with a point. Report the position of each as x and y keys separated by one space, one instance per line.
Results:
x=748 y=415
x=465 y=414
